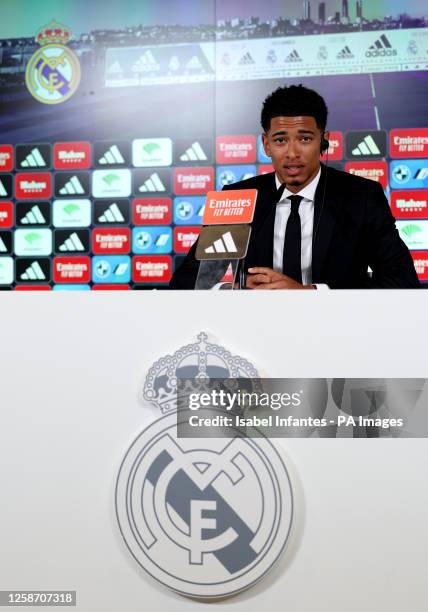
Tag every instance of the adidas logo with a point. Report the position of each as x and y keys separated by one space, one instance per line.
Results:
x=246 y=59
x=153 y=183
x=72 y=187
x=225 y=244
x=111 y=215
x=3 y=191
x=112 y=156
x=33 y=160
x=293 y=57
x=381 y=48
x=193 y=64
x=33 y=217
x=146 y=61
x=346 y=53
x=33 y=272
x=3 y=247
x=114 y=68
x=194 y=153
x=366 y=147
x=73 y=243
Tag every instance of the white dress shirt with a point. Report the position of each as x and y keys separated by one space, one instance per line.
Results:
x=306 y=212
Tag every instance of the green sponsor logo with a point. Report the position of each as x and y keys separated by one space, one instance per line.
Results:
x=111 y=178
x=33 y=237
x=71 y=208
x=151 y=148
x=410 y=229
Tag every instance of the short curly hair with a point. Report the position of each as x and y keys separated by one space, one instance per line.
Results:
x=294 y=101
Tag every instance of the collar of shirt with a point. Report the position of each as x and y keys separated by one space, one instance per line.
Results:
x=307 y=193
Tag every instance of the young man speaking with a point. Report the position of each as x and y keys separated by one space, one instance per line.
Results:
x=313 y=225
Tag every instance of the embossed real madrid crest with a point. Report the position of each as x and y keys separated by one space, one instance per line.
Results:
x=53 y=72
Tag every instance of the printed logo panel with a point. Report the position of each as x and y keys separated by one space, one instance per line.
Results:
x=72 y=184
x=195 y=151
x=193 y=181
x=111 y=212
x=6 y=214
x=112 y=183
x=33 y=214
x=111 y=287
x=153 y=240
x=111 y=269
x=409 y=174
x=32 y=186
x=72 y=287
x=30 y=270
x=227 y=175
x=33 y=157
x=223 y=242
x=408 y=142
x=151 y=152
x=410 y=204
x=366 y=144
x=151 y=182
x=71 y=241
x=6 y=158
x=72 y=269
x=6 y=270
x=189 y=210
x=152 y=211
x=72 y=155
x=185 y=237
x=6 y=242
x=414 y=233
x=261 y=155
x=232 y=206
x=72 y=213
x=151 y=268
x=111 y=241
x=33 y=287
x=335 y=150
x=236 y=149
x=420 y=259
x=112 y=154
x=375 y=170
x=33 y=242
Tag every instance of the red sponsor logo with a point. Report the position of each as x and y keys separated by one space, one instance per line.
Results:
x=408 y=142
x=72 y=269
x=193 y=181
x=6 y=158
x=152 y=211
x=151 y=268
x=265 y=169
x=114 y=241
x=236 y=149
x=33 y=185
x=411 y=204
x=335 y=150
x=111 y=288
x=420 y=259
x=373 y=170
x=73 y=155
x=33 y=288
x=231 y=206
x=185 y=237
x=6 y=214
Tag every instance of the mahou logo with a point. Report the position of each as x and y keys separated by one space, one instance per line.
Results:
x=406 y=143
x=72 y=155
x=410 y=204
x=33 y=185
x=373 y=170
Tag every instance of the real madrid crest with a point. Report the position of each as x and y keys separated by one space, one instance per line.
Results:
x=53 y=71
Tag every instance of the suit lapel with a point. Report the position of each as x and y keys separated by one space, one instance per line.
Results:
x=324 y=223
x=261 y=251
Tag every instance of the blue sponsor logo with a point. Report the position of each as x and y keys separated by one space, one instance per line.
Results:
x=152 y=240
x=410 y=174
x=189 y=210
x=111 y=269
x=261 y=155
x=227 y=175
x=71 y=288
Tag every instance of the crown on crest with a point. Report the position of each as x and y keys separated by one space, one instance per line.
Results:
x=53 y=32
x=201 y=361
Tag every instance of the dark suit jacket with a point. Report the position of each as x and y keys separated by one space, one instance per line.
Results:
x=353 y=229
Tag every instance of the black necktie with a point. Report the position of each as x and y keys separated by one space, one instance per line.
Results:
x=292 y=257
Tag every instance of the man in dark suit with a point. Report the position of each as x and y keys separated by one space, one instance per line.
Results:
x=314 y=227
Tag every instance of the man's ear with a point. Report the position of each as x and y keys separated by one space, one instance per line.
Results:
x=266 y=144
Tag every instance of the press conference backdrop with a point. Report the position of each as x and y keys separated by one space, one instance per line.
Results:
x=116 y=118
